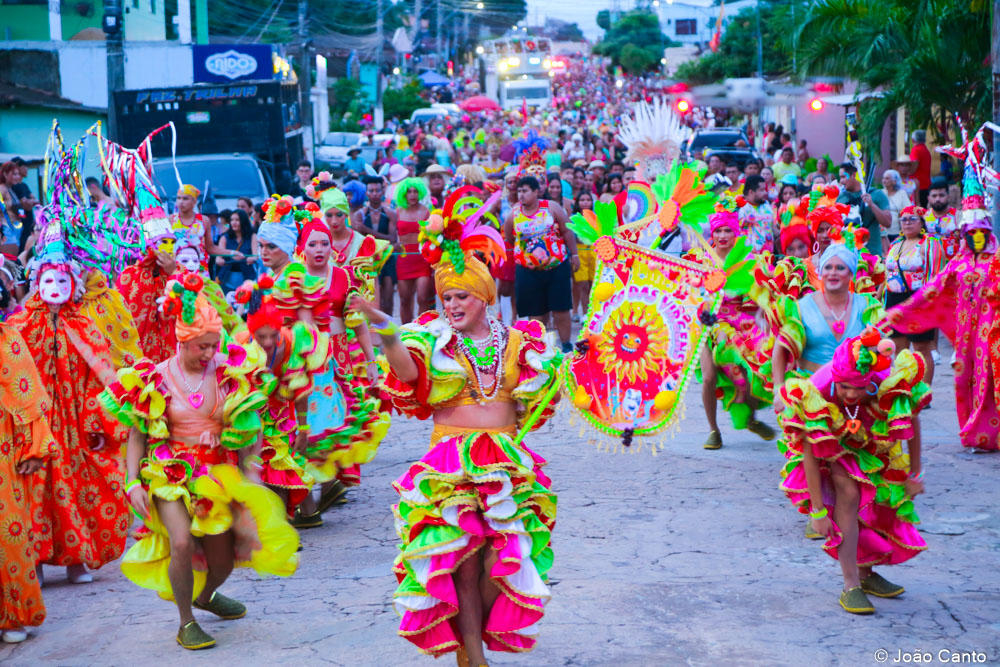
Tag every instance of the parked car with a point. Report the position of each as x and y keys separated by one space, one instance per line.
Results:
x=229 y=175
x=332 y=153
x=433 y=114
x=723 y=142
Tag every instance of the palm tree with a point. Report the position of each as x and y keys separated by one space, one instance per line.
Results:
x=929 y=56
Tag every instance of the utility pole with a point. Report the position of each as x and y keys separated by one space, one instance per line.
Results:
x=760 y=46
x=112 y=25
x=305 y=77
x=995 y=62
x=437 y=46
x=379 y=48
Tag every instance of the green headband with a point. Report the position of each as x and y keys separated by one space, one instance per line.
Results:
x=334 y=198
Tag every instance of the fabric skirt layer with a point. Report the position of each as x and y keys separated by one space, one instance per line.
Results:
x=887 y=522
x=346 y=424
x=474 y=488
x=218 y=499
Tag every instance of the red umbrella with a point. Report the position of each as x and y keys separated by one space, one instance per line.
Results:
x=479 y=103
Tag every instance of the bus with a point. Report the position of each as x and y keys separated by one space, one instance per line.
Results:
x=518 y=71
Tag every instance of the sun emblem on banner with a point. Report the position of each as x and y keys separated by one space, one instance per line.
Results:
x=633 y=342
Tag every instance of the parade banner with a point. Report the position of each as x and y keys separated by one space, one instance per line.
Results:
x=640 y=341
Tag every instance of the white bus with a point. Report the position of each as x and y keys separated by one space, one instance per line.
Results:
x=518 y=71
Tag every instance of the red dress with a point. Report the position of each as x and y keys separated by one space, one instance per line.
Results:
x=78 y=504
x=141 y=285
x=411 y=265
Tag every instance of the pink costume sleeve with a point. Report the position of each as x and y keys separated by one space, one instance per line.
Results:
x=932 y=306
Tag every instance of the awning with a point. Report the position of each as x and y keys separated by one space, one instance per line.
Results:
x=849 y=100
x=430 y=78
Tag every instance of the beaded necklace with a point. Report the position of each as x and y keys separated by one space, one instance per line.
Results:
x=485 y=356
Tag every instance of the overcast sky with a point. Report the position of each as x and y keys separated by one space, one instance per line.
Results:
x=581 y=12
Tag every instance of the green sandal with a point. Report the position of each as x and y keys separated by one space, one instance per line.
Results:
x=222 y=606
x=714 y=440
x=811 y=533
x=193 y=638
x=877 y=585
x=855 y=601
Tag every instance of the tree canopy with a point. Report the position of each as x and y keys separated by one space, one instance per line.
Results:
x=634 y=41
x=737 y=54
x=930 y=57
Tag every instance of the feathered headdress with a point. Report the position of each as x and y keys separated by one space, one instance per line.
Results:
x=652 y=135
x=532 y=163
x=460 y=240
x=529 y=142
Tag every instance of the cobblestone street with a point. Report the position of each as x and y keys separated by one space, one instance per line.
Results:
x=689 y=557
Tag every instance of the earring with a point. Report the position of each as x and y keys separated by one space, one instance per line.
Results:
x=815 y=247
x=872 y=386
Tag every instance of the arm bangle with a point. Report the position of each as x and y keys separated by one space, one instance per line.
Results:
x=131 y=485
x=302 y=428
x=818 y=514
x=917 y=476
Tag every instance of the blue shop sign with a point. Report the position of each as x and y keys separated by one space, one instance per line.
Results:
x=222 y=63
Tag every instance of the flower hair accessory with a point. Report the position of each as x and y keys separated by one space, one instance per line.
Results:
x=320 y=182
x=262 y=310
x=460 y=239
x=181 y=296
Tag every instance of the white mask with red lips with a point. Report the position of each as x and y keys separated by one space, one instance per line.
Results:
x=55 y=286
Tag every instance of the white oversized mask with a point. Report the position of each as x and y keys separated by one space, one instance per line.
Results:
x=189 y=259
x=55 y=286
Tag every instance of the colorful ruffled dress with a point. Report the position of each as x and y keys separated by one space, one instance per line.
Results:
x=474 y=487
x=188 y=458
x=78 y=508
x=365 y=256
x=302 y=352
x=873 y=456
x=740 y=344
x=346 y=424
x=800 y=328
x=24 y=434
x=141 y=285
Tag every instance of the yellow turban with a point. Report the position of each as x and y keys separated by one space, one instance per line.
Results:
x=189 y=190
x=476 y=279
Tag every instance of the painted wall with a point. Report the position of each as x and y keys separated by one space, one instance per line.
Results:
x=24 y=22
x=144 y=21
x=25 y=131
x=83 y=72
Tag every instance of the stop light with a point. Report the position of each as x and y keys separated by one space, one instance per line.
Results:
x=683 y=106
x=816 y=104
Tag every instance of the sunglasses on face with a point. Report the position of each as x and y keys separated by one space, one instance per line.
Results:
x=910 y=218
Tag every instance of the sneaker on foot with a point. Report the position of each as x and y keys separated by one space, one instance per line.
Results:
x=567 y=348
x=222 y=606
x=877 y=585
x=855 y=601
x=761 y=429
x=193 y=638
x=14 y=636
x=935 y=357
x=77 y=574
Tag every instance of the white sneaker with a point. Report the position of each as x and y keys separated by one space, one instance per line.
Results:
x=936 y=357
x=77 y=574
x=14 y=636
